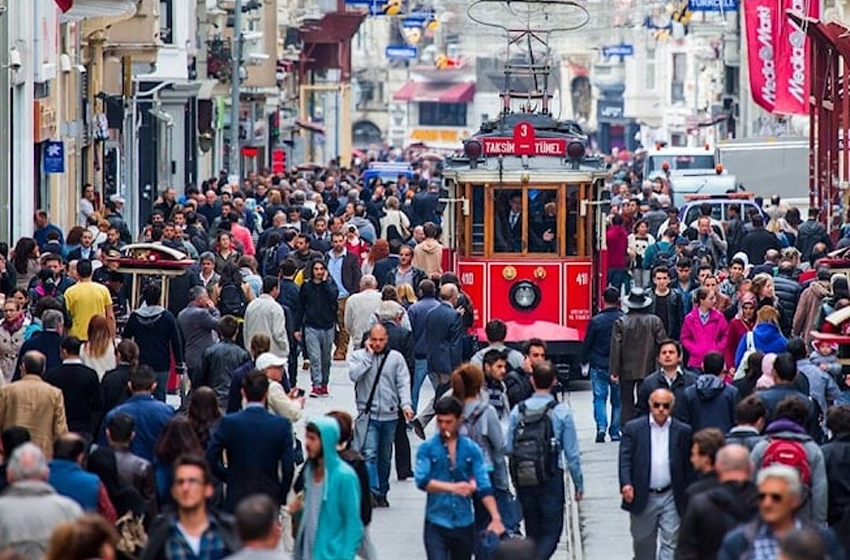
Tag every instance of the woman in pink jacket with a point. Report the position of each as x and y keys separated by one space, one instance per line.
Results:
x=704 y=329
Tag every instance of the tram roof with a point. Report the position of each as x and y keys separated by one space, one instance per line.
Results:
x=516 y=170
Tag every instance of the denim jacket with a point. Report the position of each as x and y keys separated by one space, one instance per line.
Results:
x=565 y=432
x=432 y=463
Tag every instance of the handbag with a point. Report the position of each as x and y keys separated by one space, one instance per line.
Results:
x=361 y=423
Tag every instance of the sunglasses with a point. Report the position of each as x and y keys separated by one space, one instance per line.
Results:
x=664 y=405
x=775 y=498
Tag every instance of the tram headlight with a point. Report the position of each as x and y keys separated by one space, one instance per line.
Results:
x=525 y=295
x=575 y=150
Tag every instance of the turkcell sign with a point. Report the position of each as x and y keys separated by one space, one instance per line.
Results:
x=713 y=5
x=401 y=52
x=495 y=146
x=622 y=49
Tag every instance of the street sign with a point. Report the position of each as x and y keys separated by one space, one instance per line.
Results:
x=621 y=50
x=713 y=5
x=54 y=157
x=524 y=143
x=379 y=7
x=401 y=52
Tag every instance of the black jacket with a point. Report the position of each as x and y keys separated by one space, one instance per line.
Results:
x=351 y=272
x=113 y=387
x=634 y=464
x=675 y=313
x=517 y=387
x=596 y=347
x=711 y=514
x=809 y=234
x=418 y=276
x=217 y=365
x=710 y=403
x=46 y=342
x=260 y=457
x=657 y=380
x=836 y=456
x=757 y=242
x=317 y=305
x=788 y=293
x=703 y=483
x=157 y=547
x=383 y=268
x=81 y=392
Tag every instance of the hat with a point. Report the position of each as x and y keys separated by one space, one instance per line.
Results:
x=267 y=359
x=638 y=299
x=117 y=199
x=681 y=241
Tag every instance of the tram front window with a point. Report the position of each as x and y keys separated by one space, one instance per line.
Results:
x=515 y=232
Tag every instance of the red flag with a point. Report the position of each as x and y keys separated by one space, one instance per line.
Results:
x=792 y=58
x=64 y=5
x=760 y=18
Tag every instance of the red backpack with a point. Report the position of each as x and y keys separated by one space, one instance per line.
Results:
x=790 y=453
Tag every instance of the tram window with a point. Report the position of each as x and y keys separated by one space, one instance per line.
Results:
x=508 y=218
x=572 y=221
x=543 y=225
x=477 y=220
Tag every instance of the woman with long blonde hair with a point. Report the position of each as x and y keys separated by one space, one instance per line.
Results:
x=98 y=352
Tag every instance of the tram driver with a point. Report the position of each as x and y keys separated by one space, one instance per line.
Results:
x=542 y=236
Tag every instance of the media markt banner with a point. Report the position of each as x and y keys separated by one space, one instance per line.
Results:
x=778 y=54
x=760 y=18
x=792 y=58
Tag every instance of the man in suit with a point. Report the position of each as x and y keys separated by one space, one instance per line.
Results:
x=34 y=404
x=444 y=339
x=259 y=447
x=654 y=472
x=509 y=226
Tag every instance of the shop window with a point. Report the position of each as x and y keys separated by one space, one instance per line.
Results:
x=442 y=114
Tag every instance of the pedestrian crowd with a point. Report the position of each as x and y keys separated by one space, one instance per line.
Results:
x=156 y=420
x=714 y=365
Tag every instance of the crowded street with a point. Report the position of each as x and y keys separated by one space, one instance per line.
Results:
x=424 y=280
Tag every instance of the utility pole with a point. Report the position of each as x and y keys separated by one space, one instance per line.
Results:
x=235 y=87
x=5 y=135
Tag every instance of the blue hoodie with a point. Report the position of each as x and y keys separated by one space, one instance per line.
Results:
x=767 y=339
x=339 y=516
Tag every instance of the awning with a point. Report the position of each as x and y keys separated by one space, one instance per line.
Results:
x=77 y=10
x=423 y=92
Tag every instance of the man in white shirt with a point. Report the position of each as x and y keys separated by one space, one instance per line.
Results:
x=265 y=315
x=654 y=472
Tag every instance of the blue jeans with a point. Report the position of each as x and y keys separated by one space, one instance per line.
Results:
x=378 y=452
x=543 y=509
x=420 y=372
x=600 y=382
x=161 y=385
x=448 y=544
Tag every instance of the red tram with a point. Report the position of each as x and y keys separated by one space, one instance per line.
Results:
x=526 y=228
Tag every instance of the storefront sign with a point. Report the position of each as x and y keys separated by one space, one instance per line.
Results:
x=437 y=135
x=54 y=157
x=713 y=5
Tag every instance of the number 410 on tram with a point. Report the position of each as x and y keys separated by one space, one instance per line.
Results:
x=525 y=226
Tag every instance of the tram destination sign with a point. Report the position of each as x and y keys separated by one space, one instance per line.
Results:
x=524 y=143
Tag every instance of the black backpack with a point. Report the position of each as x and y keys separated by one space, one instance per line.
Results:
x=231 y=300
x=270 y=263
x=534 y=459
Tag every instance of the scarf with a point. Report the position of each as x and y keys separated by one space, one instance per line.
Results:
x=14 y=326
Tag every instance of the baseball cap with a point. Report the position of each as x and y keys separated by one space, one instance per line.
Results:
x=267 y=359
x=117 y=199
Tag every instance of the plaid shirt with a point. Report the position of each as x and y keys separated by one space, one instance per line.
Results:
x=212 y=544
x=765 y=544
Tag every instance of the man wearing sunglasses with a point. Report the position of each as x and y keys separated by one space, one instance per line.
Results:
x=779 y=494
x=654 y=472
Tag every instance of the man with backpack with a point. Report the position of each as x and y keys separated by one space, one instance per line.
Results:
x=662 y=252
x=541 y=441
x=787 y=443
